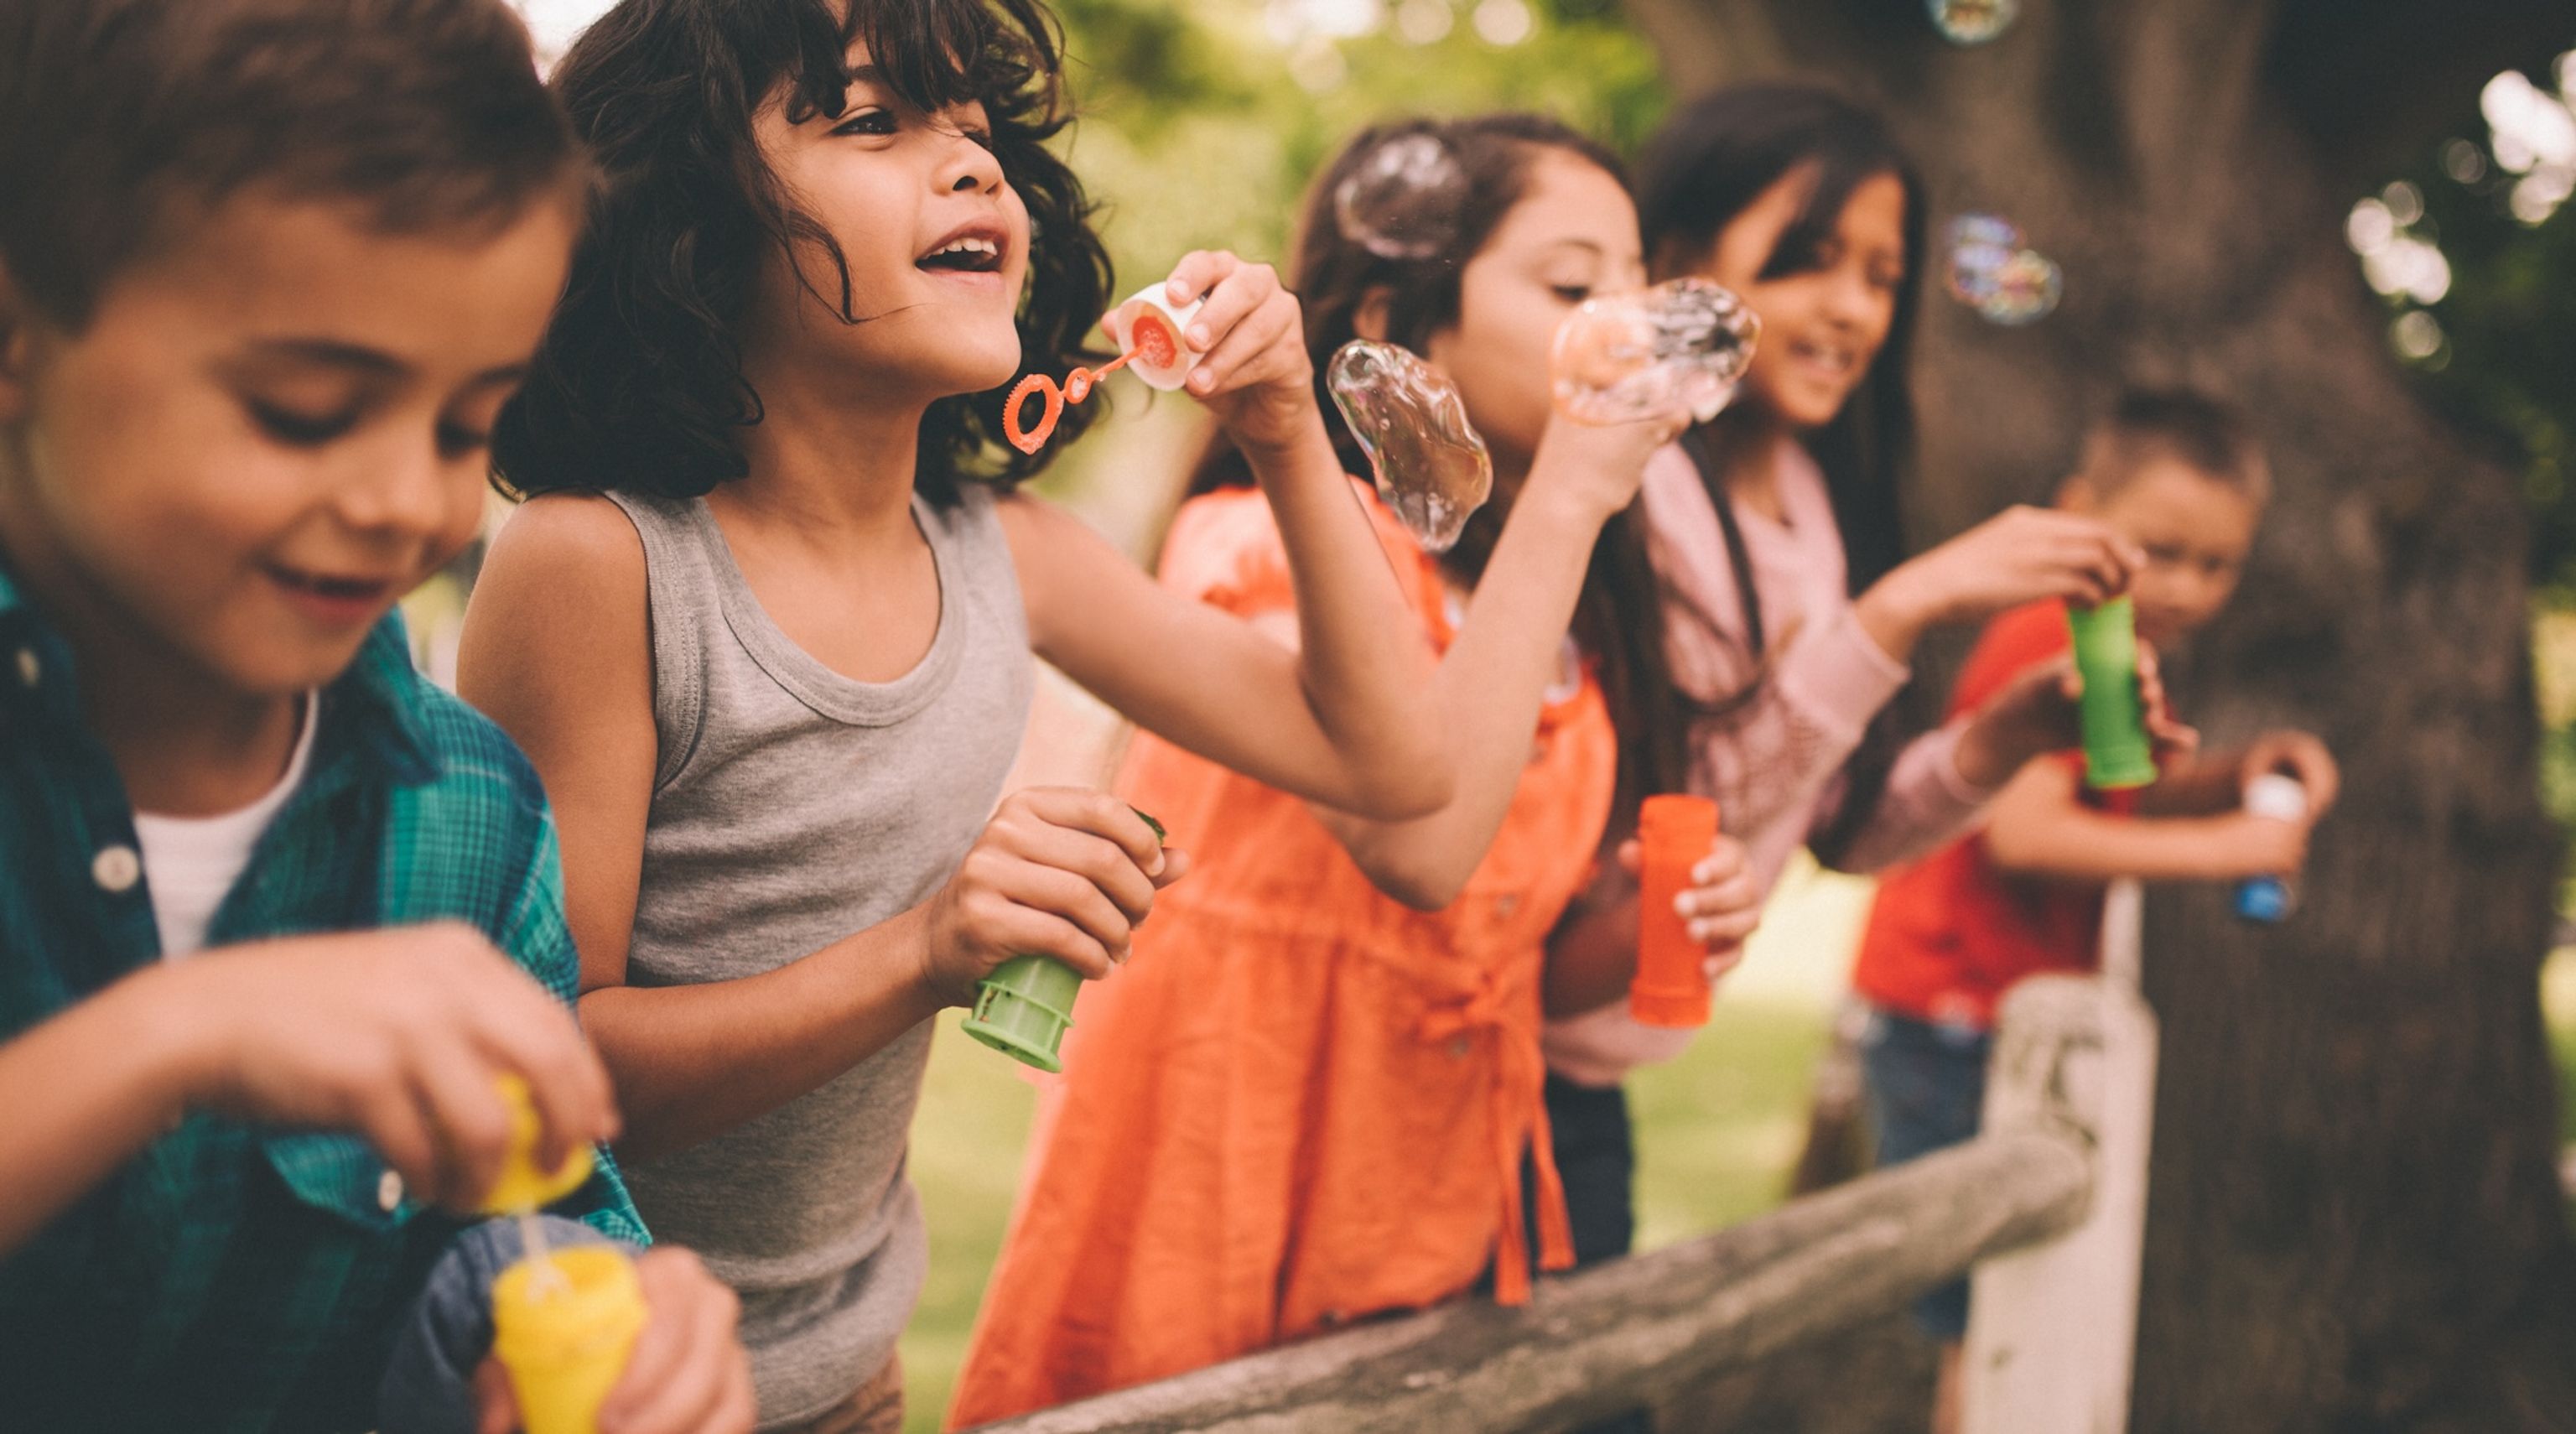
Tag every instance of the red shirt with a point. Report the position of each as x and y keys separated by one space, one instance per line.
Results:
x=1951 y=933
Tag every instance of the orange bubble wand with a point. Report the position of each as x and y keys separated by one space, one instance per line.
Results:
x=1155 y=344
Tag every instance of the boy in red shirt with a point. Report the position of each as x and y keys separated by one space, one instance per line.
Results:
x=2178 y=475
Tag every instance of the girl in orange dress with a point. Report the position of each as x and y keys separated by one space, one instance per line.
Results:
x=1312 y=1094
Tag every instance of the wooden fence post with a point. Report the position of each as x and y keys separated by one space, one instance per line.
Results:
x=2053 y=1331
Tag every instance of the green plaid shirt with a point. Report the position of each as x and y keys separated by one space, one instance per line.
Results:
x=231 y=1276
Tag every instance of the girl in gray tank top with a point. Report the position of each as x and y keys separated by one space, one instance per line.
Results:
x=776 y=684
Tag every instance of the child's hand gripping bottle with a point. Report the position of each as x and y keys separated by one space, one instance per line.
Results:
x=1025 y=1006
x=2117 y=754
x=2278 y=796
x=1674 y=834
x=563 y=1322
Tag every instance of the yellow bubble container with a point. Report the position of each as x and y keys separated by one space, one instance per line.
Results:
x=564 y=1334
x=521 y=1186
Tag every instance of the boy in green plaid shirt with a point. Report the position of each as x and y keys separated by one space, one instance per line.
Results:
x=274 y=913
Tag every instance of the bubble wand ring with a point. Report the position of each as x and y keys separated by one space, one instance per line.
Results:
x=1077 y=386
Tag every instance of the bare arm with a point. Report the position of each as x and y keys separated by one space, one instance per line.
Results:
x=557 y=650
x=2039 y=828
x=1490 y=685
x=394 y=1035
x=1344 y=718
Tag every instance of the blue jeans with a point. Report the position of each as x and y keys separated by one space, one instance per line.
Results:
x=429 y=1383
x=1927 y=1089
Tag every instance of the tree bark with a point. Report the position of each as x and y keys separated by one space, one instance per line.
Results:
x=2355 y=1222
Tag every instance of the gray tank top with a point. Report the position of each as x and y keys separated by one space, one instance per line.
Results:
x=792 y=807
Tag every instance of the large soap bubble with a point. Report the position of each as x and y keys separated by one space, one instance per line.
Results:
x=1680 y=345
x=1431 y=465
x=1403 y=199
x=1972 y=22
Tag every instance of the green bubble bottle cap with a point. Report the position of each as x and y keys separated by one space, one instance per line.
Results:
x=1025 y=1006
x=2117 y=754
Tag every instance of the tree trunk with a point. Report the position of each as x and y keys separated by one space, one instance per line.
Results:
x=2355 y=1222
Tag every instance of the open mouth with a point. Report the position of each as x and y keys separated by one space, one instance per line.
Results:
x=971 y=252
x=330 y=588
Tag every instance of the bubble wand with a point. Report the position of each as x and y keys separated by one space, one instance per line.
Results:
x=1149 y=331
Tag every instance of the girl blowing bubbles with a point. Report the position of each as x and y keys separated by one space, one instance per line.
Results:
x=765 y=625
x=1315 y=1097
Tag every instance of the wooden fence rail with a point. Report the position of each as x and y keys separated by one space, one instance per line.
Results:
x=1641 y=1330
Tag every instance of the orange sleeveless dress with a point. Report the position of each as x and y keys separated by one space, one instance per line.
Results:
x=1300 y=1103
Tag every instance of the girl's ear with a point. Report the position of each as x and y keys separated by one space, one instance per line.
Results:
x=1369 y=319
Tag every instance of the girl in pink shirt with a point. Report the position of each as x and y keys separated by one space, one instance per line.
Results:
x=1775 y=534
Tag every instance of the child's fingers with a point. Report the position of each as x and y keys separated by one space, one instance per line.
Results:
x=1176 y=864
x=468 y=1118
x=526 y=1032
x=496 y=1406
x=1097 y=862
x=1029 y=931
x=1724 y=928
x=393 y=1120
x=677 y=1379
x=1247 y=354
x=1632 y=857
x=1720 y=961
x=1199 y=271
x=1101 y=815
x=1077 y=899
x=1245 y=291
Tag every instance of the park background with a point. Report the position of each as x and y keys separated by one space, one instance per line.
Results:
x=2315 y=206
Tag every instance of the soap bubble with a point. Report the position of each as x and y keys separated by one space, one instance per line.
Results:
x=1431 y=465
x=1978 y=245
x=1972 y=22
x=2026 y=289
x=1679 y=345
x=1992 y=272
x=1403 y=199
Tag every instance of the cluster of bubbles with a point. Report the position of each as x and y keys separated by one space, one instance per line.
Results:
x=1431 y=465
x=1992 y=272
x=1682 y=345
x=1972 y=22
x=1403 y=199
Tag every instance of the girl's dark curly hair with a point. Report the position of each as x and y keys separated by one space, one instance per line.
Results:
x=639 y=385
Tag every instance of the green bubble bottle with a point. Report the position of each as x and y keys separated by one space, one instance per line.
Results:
x=1024 y=1008
x=2117 y=755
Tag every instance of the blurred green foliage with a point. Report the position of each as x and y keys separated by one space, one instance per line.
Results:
x=1201 y=119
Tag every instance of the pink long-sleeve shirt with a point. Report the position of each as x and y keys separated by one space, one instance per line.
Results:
x=1774 y=764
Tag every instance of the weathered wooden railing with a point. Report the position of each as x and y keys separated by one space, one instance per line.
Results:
x=2046 y=1206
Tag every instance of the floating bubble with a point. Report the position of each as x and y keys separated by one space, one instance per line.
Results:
x=1972 y=22
x=1430 y=463
x=1679 y=345
x=1978 y=245
x=2026 y=289
x=1403 y=199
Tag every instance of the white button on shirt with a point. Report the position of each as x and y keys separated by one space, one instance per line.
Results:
x=389 y=1192
x=116 y=869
